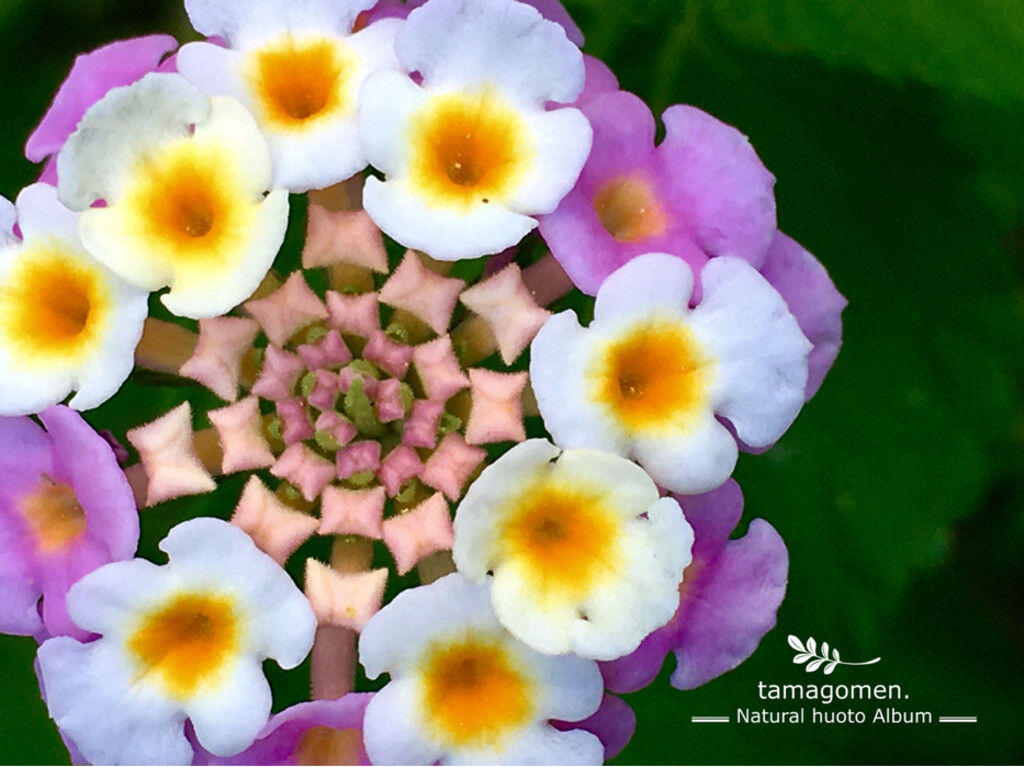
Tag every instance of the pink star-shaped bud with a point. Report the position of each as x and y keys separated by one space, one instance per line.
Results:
x=508 y=309
x=352 y=512
x=426 y=294
x=168 y=454
x=419 y=532
x=304 y=469
x=275 y=527
x=287 y=310
x=329 y=351
x=496 y=414
x=421 y=425
x=217 y=358
x=240 y=428
x=277 y=378
x=325 y=390
x=358 y=457
x=347 y=375
x=439 y=369
x=295 y=423
x=389 y=355
x=451 y=465
x=398 y=467
x=359 y=315
x=338 y=426
x=343 y=237
x=389 y=400
x=348 y=600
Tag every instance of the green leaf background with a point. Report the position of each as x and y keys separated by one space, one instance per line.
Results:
x=894 y=130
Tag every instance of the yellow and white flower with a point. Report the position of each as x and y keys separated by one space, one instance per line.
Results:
x=67 y=323
x=465 y=691
x=471 y=153
x=298 y=68
x=184 y=183
x=586 y=557
x=185 y=640
x=649 y=375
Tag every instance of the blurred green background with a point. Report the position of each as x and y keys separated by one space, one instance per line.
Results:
x=894 y=130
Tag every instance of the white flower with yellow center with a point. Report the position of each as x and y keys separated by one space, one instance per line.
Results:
x=586 y=557
x=298 y=68
x=465 y=691
x=471 y=154
x=184 y=183
x=649 y=375
x=183 y=640
x=66 y=321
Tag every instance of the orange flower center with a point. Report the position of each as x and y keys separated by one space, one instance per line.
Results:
x=629 y=210
x=473 y=695
x=53 y=305
x=187 y=643
x=296 y=82
x=564 y=538
x=54 y=515
x=654 y=375
x=468 y=150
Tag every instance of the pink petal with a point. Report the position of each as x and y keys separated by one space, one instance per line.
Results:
x=167 y=452
x=305 y=469
x=329 y=351
x=275 y=527
x=359 y=315
x=419 y=532
x=352 y=512
x=358 y=457
x=295 y=423
x=340 y=428
x=288 y=309
x=280 y=372
x=389 y=355
x=497 y=411
x=325 y=391
x=421 y=426
x=343 y=236
x=451 y=465
x=389 y=400
x=240 y=428
x=439 y=369
x=398 y=467
x=418 y=290
x=509 y=310
x=215 y=363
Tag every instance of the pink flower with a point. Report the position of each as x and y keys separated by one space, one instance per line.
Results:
x=65 y=509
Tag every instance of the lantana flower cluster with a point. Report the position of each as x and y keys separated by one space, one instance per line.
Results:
x=485 y=414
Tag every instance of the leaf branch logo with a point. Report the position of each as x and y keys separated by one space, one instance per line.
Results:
x=809 y=652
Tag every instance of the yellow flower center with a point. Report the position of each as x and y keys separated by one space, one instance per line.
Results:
x=54 y=305
x=654 y=375
x=187 y=202
x=297 y=82
x=187 y=643
x=53 y=514
x=468 y=149
x=629 y=210
x=473 y=694
x=565 y=539
x=325 y=745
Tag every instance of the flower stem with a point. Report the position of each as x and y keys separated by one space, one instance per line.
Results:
x=334 y=648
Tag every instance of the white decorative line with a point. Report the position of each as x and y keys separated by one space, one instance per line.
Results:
x=810 y=653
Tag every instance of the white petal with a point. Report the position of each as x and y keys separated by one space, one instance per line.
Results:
x=255 y=20
x=210 y=551
x=642 y=284
x=7 y=220
x=386 y=101
x=562 y=140
x=126 y=123
x=391 y=731
x=443 y=233
x=545 y=625
x=101 y=600
x=543 y=744
x=457 y=42
x=422 y=613
x=693 y=460
x=213 y=70
x=228 y=718
x=761 y=351
x=560 y=358
x=90 y=696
